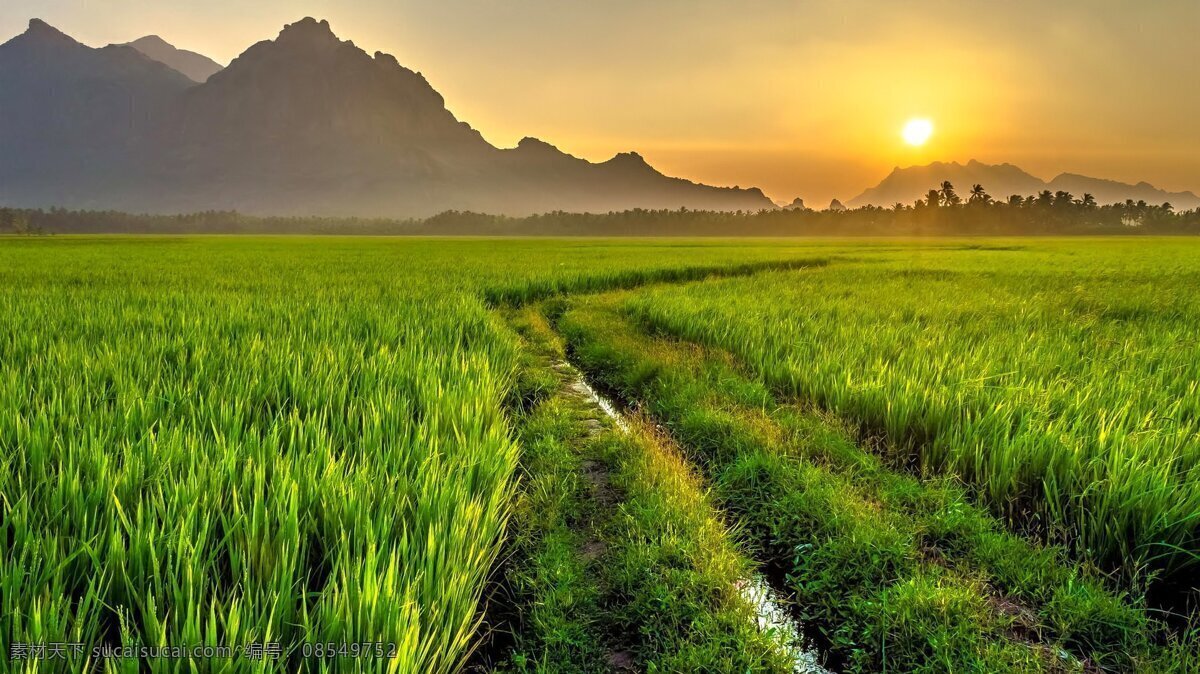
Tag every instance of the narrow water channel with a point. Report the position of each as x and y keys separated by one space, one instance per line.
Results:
x=771 y=612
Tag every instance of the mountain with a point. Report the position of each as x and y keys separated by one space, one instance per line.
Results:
x=305 y=124
x=197 y=67
x=906 y=185
x=605 y=186
x=75 y=118
x=1111 y=191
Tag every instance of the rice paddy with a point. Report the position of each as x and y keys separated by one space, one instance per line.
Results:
x=1058 y=380
x=944 y=455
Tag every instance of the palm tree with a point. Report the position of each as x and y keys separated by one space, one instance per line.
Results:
x=933 y=198
x=949 y=198
x=1088 y=201
x=980 y=195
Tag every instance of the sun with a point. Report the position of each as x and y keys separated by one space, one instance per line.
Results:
x=917 y=131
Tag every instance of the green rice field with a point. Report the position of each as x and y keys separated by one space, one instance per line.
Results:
x=371 y=454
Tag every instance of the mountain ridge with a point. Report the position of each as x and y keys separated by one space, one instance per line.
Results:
x=303 y=124
x=905 y=185
x=310 y=124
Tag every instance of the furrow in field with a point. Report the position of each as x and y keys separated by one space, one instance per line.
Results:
x=619 y=561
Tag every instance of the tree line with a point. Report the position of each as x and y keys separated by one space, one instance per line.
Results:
x=941 y=212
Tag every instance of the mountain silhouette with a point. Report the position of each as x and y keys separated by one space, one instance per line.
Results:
x=1111 y=191
x=305 y=124
x=75 y=118
x=197 y=67
x=906 y=185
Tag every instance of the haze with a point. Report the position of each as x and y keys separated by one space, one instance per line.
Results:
x=800 y=99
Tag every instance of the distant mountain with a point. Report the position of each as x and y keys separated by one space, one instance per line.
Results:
x=305 y=124
x=197 y=67
x=1111 y=191
x=75 y=119
x=906 y=185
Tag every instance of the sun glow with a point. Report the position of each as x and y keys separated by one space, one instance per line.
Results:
x=917 y=131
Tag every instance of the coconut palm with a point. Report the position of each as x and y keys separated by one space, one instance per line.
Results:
x=949 y=197
x=979 y=195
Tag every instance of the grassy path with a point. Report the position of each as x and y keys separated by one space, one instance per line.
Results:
x=620 y=561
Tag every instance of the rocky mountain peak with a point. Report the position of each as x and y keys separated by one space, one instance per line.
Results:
x=308 y=31
x=41 y=33
x=630 y=160
x=41 y=29
x=531 y=145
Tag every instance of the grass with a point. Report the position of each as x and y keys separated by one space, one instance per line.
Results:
x=224 y=440
x=628 y=563
x=1059 y=380
x=211 y=465
x=901 y=575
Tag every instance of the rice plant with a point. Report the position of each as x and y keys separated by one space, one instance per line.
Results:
x=223 y=441
x=1058 y=378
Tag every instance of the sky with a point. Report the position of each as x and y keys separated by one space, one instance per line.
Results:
x=799 y=98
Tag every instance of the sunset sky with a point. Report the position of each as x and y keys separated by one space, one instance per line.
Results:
x=800 y=98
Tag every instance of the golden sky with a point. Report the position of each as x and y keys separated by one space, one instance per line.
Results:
x=800 y=98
